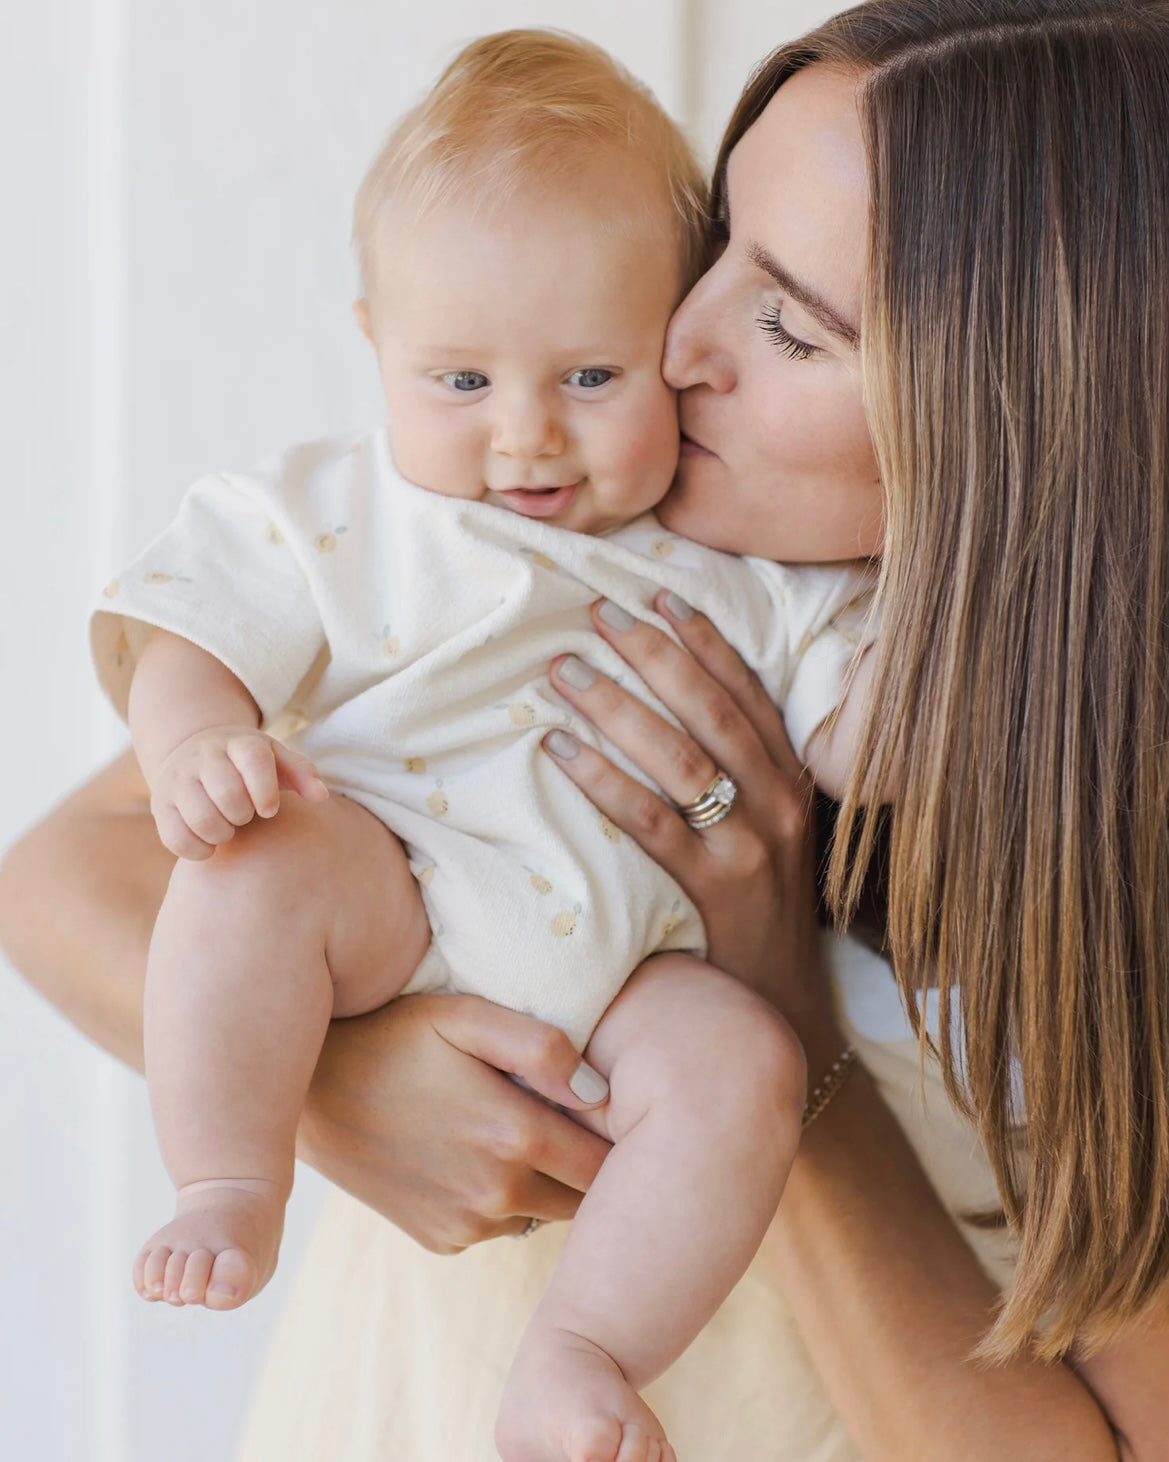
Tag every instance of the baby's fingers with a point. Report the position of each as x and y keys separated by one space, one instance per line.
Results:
x=298 y=774
x=177 y=835
x=227 y=788
x=254 y=761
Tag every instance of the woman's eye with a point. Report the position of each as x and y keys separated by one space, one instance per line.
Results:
x=591 y=377
x=770 y=323
x=466 y=380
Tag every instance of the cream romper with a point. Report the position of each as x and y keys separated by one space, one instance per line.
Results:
x=402 y=640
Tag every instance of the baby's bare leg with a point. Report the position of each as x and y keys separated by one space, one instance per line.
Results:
x=707 y=1087
x=311 y=915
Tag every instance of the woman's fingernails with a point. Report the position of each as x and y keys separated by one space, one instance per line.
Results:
x=576 y=673
x=588 y=1084
x=676 y=607
x=561 y=744
x=616 y=617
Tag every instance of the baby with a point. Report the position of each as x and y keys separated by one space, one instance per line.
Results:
x=368 y=624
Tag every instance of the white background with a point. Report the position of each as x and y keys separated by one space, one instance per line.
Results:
x=174 y=297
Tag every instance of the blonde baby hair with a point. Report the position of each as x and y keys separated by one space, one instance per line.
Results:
x=522 y=106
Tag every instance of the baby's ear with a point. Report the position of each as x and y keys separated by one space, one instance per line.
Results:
x=362 y=316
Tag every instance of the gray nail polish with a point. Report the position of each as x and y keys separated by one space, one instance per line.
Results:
x=588 y=1084
x=678 y=607
x=616 y=617
x=561 y=744
x=577 y=674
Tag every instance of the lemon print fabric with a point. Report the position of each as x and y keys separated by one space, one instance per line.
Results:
x=564 y=925
x=609 y=830
x=522 y=713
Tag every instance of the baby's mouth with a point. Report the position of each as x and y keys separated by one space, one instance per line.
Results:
x=542 y=500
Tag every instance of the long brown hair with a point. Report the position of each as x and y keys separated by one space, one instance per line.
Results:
x=1016 y=363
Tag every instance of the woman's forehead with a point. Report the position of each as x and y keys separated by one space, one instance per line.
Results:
x=797 y=183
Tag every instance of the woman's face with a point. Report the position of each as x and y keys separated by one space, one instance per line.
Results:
x=776 y=455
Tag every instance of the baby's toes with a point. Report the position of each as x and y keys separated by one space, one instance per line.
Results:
x=193 y=1286
x=151 y=1263
x=597 y=1440
x=232 y=1280
x=638 y=1446
x=138 y=1273
x=176 y=1267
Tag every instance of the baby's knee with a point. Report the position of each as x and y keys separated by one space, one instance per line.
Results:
x=269 y=863
x=751 y=1073
x=717 y=1054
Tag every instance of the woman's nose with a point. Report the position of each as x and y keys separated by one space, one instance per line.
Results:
x=695 y=353
x=527 y=427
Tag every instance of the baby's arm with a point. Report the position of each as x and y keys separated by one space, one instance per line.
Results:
x=196 y=732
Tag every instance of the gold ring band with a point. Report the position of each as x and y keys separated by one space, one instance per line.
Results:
x=712 y=804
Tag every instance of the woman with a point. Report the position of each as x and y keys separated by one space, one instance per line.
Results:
x=939 y=332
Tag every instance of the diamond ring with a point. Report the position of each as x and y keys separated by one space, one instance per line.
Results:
x=712 y=804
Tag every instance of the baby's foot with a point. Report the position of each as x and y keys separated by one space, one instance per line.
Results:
x=219 y=1249
x=567 y=1401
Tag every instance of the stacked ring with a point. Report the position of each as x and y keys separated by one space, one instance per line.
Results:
x=712 y=804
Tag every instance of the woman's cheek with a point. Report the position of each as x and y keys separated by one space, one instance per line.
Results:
x=815 y=426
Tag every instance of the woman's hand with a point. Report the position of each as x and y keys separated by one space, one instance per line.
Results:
x=751 y=876
x=410 y=1112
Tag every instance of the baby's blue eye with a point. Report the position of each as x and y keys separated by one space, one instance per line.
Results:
x=591 y=377
x=466 y=380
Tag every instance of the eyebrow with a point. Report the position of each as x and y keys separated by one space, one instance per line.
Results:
x=814 y=302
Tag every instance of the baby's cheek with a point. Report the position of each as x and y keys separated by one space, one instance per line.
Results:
x=650 y=448
x=435 y=455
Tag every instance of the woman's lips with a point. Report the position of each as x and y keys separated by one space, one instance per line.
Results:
x=539 y=502
x=691 y=448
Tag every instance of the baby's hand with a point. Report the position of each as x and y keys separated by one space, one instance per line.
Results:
x=219 y=779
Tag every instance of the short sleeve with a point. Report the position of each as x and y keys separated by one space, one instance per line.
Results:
x=820 y=669
x=224 y=576
x=825 y=615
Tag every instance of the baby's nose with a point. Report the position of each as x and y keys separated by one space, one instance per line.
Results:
x=528 y=428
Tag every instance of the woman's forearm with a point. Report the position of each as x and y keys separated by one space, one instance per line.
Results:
x=78 y=896
x=891 y=1302
x=407 y=1110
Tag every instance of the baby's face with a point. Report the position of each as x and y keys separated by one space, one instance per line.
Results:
x=520 y=353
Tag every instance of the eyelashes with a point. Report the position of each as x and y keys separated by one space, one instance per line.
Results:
x=787 y=344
